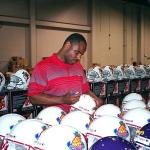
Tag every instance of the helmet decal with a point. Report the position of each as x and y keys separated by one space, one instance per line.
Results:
x=122 y=131
x=76 y=143
x=60 y=117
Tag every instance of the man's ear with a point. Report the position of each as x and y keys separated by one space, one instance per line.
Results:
x=67 y=45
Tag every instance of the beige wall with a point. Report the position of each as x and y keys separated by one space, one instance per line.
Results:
x=36 y=28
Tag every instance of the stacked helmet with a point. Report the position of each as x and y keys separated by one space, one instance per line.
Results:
x=129 y=72
x=142 y=138
x=130 y=97
x=133 y=104
x=62 y=137
x=107 y=73
x=114 y=143
x=78 y=120
x=51 y=115
x=148 y=70
x=107 y=109
x=94 y=74
x=8 y=121
x=140 y=71
x=19 y=80
x=107 y=126
x=118 y=72
x=25 y=134
x=135 y=119
x=2 y=81
x=86 y=104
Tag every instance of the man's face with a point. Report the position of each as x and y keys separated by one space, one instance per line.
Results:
x=74 y=53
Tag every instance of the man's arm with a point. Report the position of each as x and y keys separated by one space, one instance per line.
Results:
x=45 y=99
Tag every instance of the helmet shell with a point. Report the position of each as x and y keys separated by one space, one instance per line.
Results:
x=114 y=143
x=107 y=109
x=8 y=121
x=142 y=137
x=78 y=120
x=85 y=104
x=26 y=132
x=51 y=115
x=2 y=81
x=62 y=137
x=133 y=104
x=19 y=80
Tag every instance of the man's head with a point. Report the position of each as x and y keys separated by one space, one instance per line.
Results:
x=73 y=48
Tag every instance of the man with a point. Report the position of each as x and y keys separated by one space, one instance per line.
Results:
x=60 y=78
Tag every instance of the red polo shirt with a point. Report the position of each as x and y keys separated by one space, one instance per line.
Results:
x=53 y=76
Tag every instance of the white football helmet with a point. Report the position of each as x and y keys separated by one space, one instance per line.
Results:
x=135 y=119
x=19 y=80
x=62 y=137
x=129 y=72
x=130 y=97
x=2 y=81
x=8 y=121
x=114 y=143
x=142 y=138
x=25 y=133
x=107 y=126
x=86 y=104
x=133 y=104
x=118 y=73
x=107 y=109
x=78 y=120
x=51 y=115
x=140 y=71
x=107 y=73
x=94 y=74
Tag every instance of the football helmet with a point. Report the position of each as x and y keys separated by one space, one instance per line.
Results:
x=107 y=109
x=78 y=120
x=135 y=119
x=118 y=73
x=25 y=133
x=19 y=80
x=51 y=115
x=62 y=137
x=2 y=81
x=8 y=121
x=107 y=73
x=114 y=143
x=142 y=138
x=133 y=104
x=140 y=71
x=86 y=104
x=94 y=74
x=107 y=126
x=129 y=72
x=130 y=97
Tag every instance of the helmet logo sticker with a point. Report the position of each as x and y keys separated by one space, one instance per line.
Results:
x=122 y=132
x=61 y=117
x=76 y=143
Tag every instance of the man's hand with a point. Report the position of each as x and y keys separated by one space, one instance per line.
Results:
x=71 y=98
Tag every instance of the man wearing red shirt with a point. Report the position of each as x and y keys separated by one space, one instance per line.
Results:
x=60 y=78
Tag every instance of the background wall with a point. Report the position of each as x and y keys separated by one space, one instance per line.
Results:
x=117 y=32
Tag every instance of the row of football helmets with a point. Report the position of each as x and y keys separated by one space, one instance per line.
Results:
x=97 y=73
x=83 y=128
x=18 y=80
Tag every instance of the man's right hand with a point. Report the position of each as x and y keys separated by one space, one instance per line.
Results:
x=70 y=98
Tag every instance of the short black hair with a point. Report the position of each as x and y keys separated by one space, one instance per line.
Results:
x=75 y=38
